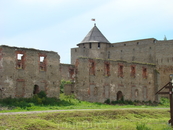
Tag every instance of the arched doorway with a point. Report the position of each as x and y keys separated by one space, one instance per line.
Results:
x=36 y=89
x=119 y=95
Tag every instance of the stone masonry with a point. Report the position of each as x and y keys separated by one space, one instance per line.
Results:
x=25 y=72
x=99 y=70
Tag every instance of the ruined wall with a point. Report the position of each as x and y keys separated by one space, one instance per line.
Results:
x=69 y=89
x=25 y=72
x=67 y=72
x=98 y=80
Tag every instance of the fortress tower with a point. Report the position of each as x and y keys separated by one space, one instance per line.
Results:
x=94 y=45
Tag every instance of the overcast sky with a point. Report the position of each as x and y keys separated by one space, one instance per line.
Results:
x=58 y=25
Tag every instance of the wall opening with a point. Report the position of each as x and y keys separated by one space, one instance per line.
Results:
x=136 y=93
x=36 y=89
x=133 y=71
x=90 y=45
x=99 y=45
x=108 y=54
x=107 y=69
x=144 y=72
x=20 y=58
x=42 y=62
x=119 y=95
x=71 y=72
x=120 y=70
x=92 y=67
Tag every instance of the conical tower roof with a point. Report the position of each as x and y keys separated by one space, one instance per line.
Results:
x=94 y=36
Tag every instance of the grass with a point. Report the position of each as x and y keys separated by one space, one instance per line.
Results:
x=131 y=119
x=38 y=103
x=108 y=117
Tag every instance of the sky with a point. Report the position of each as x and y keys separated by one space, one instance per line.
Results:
x=58 y=25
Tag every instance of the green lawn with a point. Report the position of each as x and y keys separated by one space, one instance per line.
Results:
x=127 y=119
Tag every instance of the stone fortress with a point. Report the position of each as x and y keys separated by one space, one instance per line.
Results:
x=99 y=70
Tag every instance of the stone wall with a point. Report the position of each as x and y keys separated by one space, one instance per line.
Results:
x=67 y=72
x=24 y=72
x=98 y=80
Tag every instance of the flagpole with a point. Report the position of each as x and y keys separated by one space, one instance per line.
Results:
x=93 y=19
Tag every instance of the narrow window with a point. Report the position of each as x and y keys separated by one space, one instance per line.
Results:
x=90 y=46
x=144 y=73
x=108 y=54
x=107 y=69
x=120 y=70
x=71 y=72
x=133 y=71
x=42 y=63
x=99 y=45
x=20 y=60
x=92 y=67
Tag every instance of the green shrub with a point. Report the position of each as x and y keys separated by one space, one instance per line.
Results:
x=42 y=94
x=107 y=101
x=164 y=101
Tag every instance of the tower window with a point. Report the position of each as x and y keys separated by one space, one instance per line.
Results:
x=90 y=45
x=99 y=45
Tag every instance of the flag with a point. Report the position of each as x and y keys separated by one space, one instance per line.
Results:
x=93 y=20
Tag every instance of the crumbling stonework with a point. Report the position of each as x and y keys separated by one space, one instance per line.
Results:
x=25 y=72
x=150 y=52
x=112 y=84
x=67 y=72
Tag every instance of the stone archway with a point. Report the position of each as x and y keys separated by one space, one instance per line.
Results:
x=36 y=89
x=119 y=95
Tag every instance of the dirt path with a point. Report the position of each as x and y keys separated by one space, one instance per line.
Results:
x=47 y=111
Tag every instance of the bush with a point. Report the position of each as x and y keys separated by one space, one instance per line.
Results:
x=107 y=101
x=42 y=94
x=164 y=101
